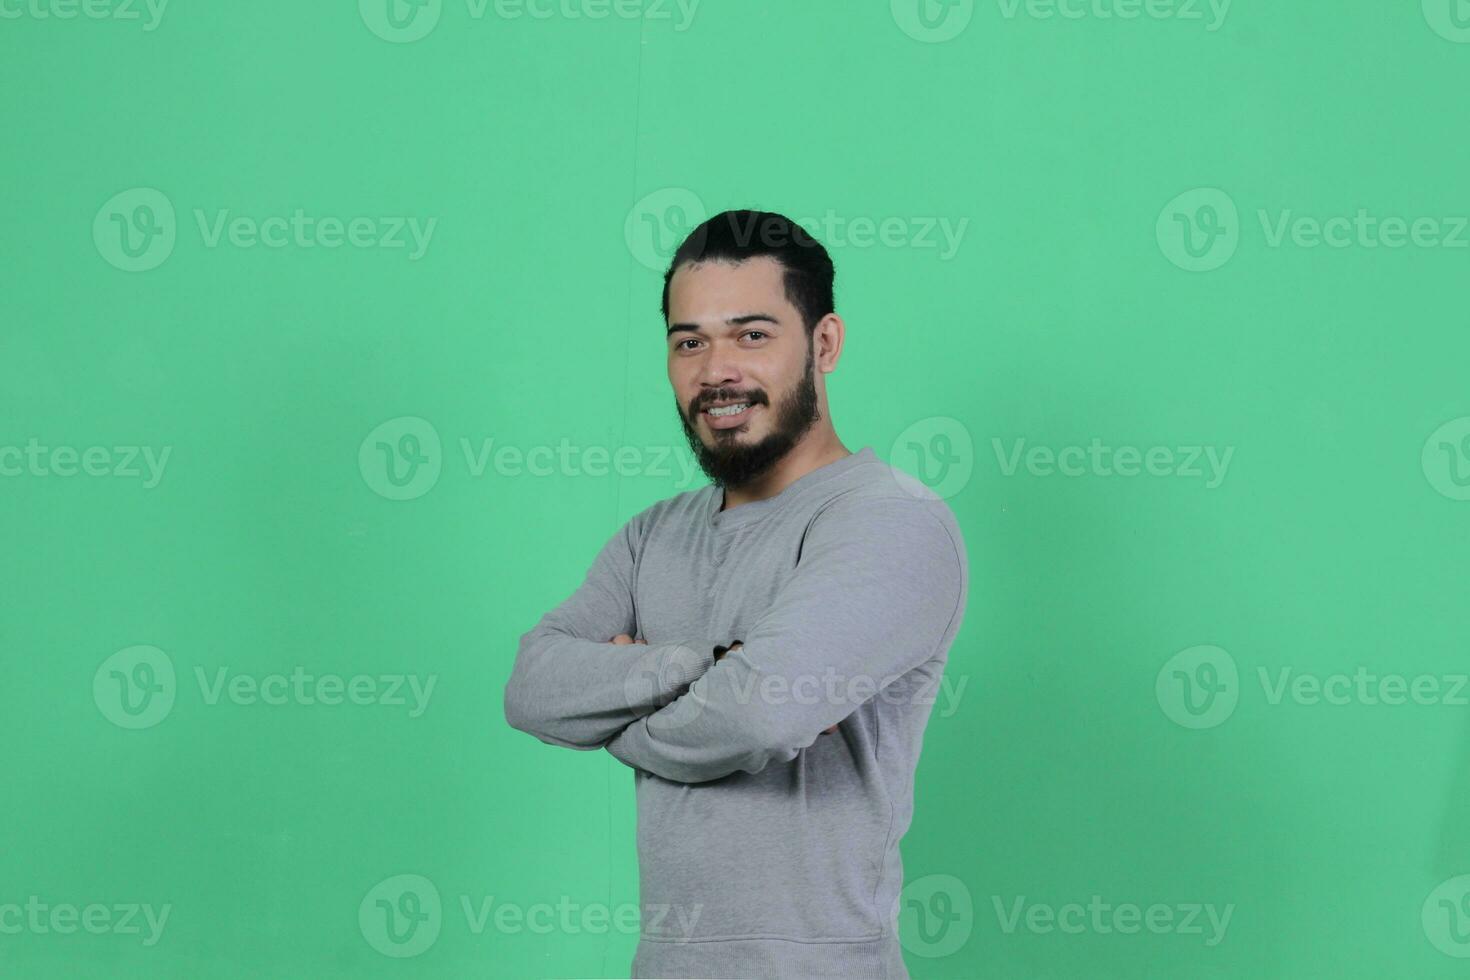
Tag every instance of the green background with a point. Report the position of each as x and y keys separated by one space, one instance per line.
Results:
x=545 y=149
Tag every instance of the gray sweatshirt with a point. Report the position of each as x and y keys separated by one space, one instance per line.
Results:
x=765 y=847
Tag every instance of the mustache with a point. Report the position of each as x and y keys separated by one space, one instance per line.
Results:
x=704 y=401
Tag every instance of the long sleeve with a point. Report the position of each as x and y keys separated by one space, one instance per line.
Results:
x=573 y=688
x=877 y=586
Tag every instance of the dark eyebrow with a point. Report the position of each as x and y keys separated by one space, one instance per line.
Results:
x=734 y=321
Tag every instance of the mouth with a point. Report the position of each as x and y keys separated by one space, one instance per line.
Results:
x=727 y=414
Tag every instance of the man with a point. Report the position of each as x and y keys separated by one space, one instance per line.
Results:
x=794 y=618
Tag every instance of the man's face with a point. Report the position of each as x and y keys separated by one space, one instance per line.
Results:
x=735 y=337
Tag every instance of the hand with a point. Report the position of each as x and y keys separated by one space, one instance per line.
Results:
x=623 y=639
x=736 y=646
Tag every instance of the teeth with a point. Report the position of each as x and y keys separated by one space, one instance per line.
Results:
x=728 y=410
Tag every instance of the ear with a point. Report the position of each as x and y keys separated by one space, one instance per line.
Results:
x=827 y=340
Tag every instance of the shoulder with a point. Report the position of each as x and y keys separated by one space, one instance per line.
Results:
x=680 y=509
x=895 y=514
x=878 y=493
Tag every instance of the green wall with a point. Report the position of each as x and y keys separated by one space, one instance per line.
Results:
x=1167 y=300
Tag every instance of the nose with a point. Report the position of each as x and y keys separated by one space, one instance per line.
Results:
x=718 y=370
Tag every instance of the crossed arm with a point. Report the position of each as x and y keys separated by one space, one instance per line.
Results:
x=875 y=590
x=720 y=651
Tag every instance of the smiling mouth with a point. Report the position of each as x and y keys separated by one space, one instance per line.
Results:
x=728 y=416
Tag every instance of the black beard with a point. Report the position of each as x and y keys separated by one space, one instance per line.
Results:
x=730 y=463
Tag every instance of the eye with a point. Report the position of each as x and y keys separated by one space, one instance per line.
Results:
x=749 y=332
x=680 y=344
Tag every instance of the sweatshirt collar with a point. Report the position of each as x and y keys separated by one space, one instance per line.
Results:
x=745 y=514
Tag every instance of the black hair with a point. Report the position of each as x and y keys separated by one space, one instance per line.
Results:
x=734 y=236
